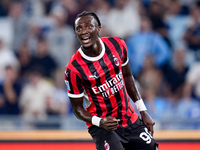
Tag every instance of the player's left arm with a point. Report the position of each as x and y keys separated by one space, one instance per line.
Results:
x=134 y=94
x=132 y=89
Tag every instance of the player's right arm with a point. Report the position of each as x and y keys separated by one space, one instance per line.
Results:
x=75 y=90
x=109 y=123
x=79 y=110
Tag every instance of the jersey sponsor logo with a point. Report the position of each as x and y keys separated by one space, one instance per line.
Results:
x=106 y=146
x=67 y=83
x=110 y=87
x=94 y=75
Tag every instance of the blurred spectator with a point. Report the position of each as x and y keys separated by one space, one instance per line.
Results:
x=4 y=7
x=10 y=90
x=192 y=34
x=156 y=12
x=60 y=104
x=176 y=22
x=26 y=62
x=150 y=79
x=35 y=96
x=38 y=27
x=123 y=18
x=187 y=4
x=102 y=9
x=73 y=9
x=61 y=38
x=43 y=59
x=7 y=58
x=189 y=108
x=181 y=109
x=146 y=3
x=6 y=34
x=147 y=42
x=34 y=33
x=192 y=83
x=175 y=75
x=34 y=8
x=19 y=24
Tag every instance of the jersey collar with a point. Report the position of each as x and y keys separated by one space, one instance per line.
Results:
x=93 y=58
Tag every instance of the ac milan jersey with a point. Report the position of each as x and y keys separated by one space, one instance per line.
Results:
x=100 y=81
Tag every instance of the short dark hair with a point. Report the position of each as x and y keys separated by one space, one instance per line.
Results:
x=86 y=13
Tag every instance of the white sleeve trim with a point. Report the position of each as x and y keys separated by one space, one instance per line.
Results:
x=124 y=64
x=76 y=95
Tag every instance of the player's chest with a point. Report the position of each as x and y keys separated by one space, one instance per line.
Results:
x=103 y=69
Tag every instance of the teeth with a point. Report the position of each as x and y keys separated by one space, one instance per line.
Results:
x=85 y=38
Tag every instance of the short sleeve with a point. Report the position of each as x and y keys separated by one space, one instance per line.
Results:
x=124 y=53
x=74 y=84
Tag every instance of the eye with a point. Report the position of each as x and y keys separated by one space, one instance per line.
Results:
x=78 y=29
x=89 y=27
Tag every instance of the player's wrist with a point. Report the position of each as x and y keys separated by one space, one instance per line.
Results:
x=140 y=105
x=96 y=121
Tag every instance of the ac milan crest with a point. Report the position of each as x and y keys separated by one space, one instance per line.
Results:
x=116 y=60
x=106 y=146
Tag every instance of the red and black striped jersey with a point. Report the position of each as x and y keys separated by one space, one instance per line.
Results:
x=100 y=81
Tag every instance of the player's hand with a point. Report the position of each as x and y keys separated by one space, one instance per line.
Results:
x=109 y=123
x=148 y=121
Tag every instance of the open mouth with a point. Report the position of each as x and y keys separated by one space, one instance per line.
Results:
x=85 y=40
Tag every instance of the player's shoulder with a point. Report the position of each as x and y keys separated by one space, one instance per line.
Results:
x=72 y=59
x=112 y=39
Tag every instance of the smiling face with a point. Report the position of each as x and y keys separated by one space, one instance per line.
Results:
x=87 y=30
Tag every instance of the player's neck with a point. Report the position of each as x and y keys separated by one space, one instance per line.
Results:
x=94 y=50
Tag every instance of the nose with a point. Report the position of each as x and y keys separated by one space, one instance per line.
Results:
x=84 y=31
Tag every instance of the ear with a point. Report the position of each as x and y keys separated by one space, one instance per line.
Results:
x=98 y=30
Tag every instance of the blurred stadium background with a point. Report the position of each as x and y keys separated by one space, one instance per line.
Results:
x=37 y=40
